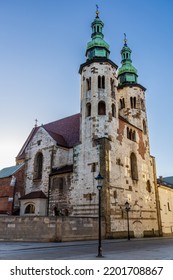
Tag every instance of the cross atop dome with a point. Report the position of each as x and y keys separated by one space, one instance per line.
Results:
x=97 y=11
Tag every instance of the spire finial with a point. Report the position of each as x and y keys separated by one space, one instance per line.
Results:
x=125 y=40
x=36 y=121
x=97 y=11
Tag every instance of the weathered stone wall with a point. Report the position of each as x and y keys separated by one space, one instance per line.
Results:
x=135 y=115
x=53 y=156
x=86 y=164
x=105 y=143
x=41 y=142
x=122 y=188
x=47 y=229
x=59 y=197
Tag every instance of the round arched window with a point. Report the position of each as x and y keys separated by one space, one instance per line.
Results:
x=30 y=209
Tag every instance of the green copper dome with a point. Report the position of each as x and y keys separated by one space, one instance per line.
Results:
x=127 y=73
x=97 y=47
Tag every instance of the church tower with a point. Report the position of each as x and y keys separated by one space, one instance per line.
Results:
x=98 y=87
x=113 y=141
x=99 y=117
x=131 y=94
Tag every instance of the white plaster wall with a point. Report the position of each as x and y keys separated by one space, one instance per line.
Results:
x=165 y=197
x=40 y=207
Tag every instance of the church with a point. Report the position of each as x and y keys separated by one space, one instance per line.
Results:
x=109 y=136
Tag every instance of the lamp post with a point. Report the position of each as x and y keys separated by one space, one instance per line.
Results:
x=99 y=180
x=127 y=208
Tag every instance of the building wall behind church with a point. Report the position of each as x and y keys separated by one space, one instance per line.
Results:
x=9 y=195
x=166 y=209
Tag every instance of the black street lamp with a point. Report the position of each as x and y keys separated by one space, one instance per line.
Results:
x=127 y=208
x=99 y=180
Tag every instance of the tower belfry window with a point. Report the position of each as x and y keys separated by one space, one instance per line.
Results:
x=113 y=110
x=131 y=134
x=88 y=109
x=101 y=108
x=133 y=102
x=122 y=103
x=88 y=81
x=101 y=82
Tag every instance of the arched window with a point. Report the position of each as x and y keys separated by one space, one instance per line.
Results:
x=113 y=110
x=133 y=165
x=122 y=103
x=131 y=134
x=128 y=133
x=88 y=109
x=112 y=84
x=88 y=81
x=38 y=166
x=30 y=209
x=133 y=102
x=101 y=108
x=101 y=82
x=134 y=135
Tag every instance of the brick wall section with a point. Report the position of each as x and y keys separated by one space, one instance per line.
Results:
x=7 y=192
x=47 y=229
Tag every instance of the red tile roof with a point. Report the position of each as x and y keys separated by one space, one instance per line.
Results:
x=64 y=131
x=68 y=128
x=32 y=195
x=58 y=138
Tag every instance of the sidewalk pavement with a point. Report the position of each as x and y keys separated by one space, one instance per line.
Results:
x=113 y=249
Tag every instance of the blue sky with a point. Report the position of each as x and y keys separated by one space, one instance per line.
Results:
x=43 y=43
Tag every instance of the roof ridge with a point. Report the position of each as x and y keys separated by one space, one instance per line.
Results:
x=61 y=119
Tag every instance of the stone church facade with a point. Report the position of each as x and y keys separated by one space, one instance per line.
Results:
x=110 y=136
